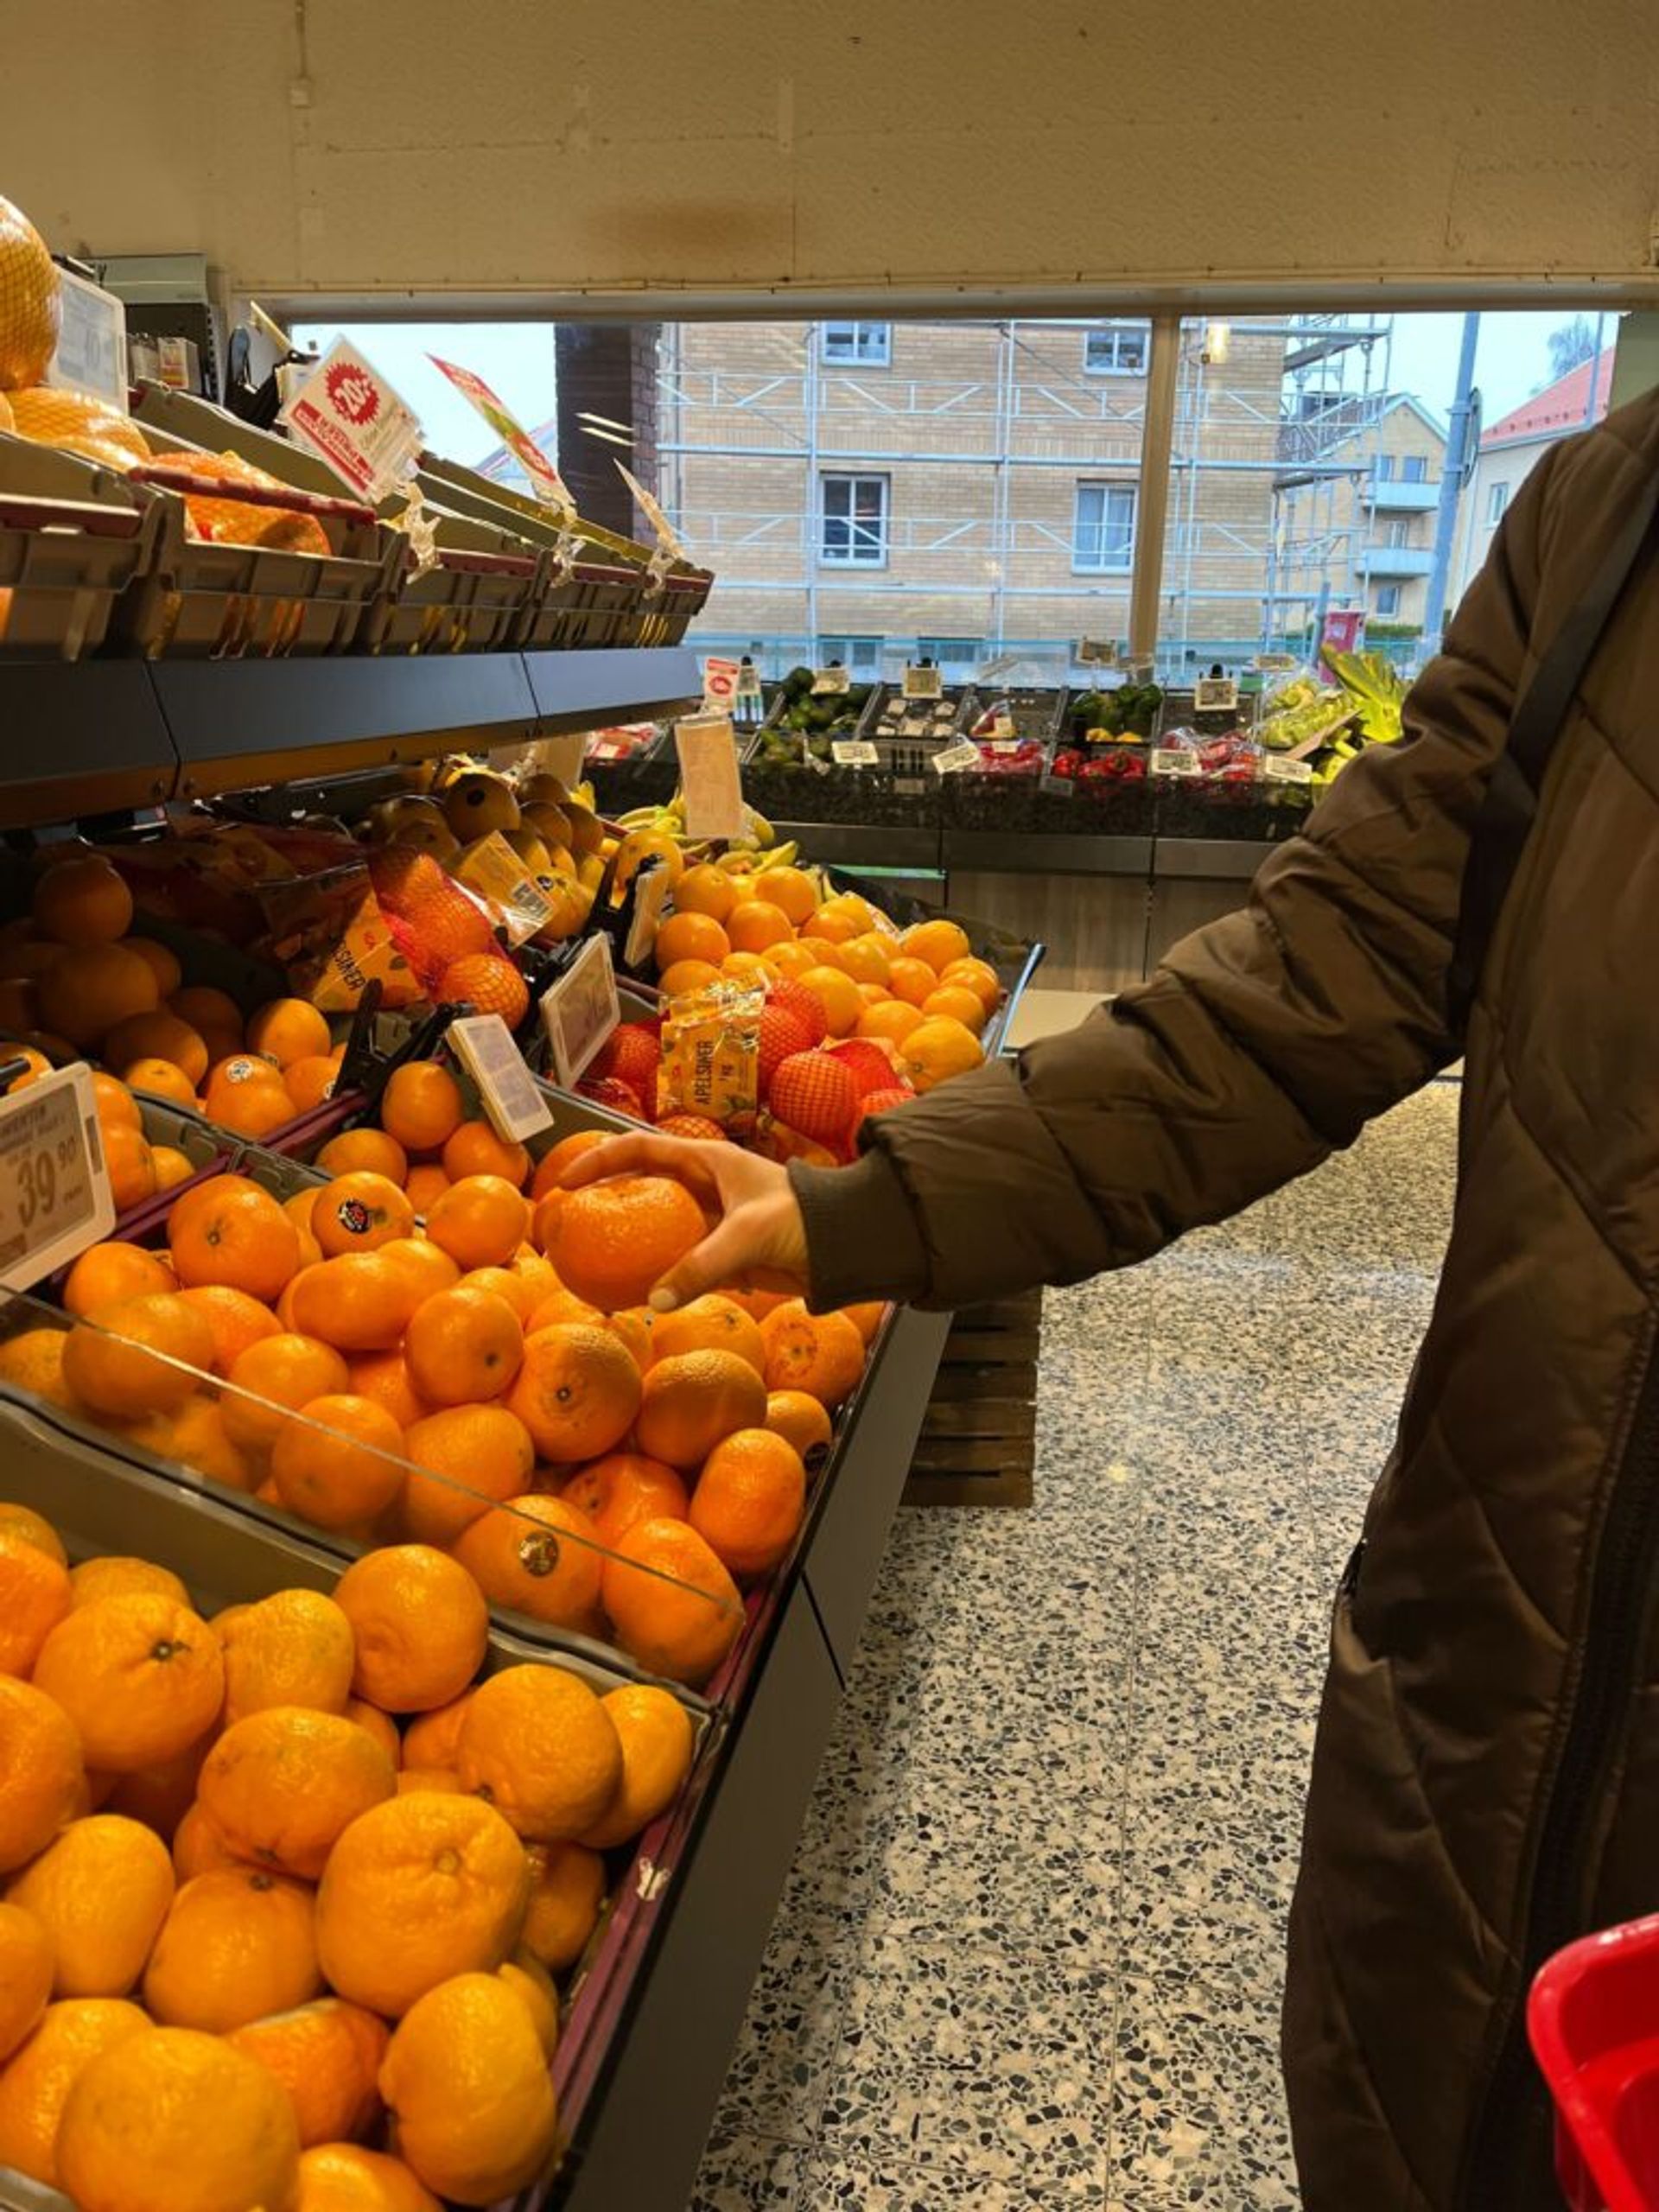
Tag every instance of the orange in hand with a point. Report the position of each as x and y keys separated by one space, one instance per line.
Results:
x=612 y=1242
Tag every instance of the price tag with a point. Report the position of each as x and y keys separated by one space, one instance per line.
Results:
x=1003 y=724
x=54 y=1184
x=92 y=352
x=1215 y=695
x=836 y=681
x=581 y=1010
x=748 y=681
x=923 y=684
x=1173 y=761
x=953 y=758
x=1099 y=652
x=714 y=790
x=483 y=1044
x=347 y=412
x=546 y=485
x=719 y=685
x=1280 y=768
x=562 y=756
x=1004 y=745
x=1275 y=664
x=854 y=752
x=648 y=903
x=494 y=871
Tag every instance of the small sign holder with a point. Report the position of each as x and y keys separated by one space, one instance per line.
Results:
x=54 y=1182
x=581 y=1010
x=709 y=773
x=483 y=1044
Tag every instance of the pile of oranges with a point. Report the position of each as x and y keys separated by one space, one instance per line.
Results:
x=285 y=1889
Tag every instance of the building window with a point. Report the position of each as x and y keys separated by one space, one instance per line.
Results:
x=1414 y=468
x=1496 y=499
x=861 y=345
x=1102 y=531
x=860 y=656
x=853 y=522
x=1385 y=468
x=958 y=659
x=1388 y=599
x=1399 y=533
x=1117 y=349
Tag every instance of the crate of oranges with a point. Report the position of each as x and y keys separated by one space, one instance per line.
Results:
x=304 y=1870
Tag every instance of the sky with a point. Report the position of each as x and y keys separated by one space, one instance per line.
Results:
x=1512 y=362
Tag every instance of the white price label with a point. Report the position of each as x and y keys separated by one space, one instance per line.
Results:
x=581 y=1010
x=1173 y=761
x=54 y=1184
x=955 y=758
x=832 y=680
x=1004 y=745
x=1280 y=768
x=347 y=411
x=561 y=756
x=709 y=772
x=719 y=685
x=748 y=681
x=92 y=352
x=483 y=1044
x=923 y=683
x=1215 y=695
x=650 y=898
x=854 y=752
x=1275 y=664
x=1101 y=652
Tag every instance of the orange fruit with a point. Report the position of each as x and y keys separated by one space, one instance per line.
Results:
x=793 y=959
x=174 y=2121
x=889 y=1023
x=172 y=1166
x=310 y=1080
x=235 y=1945
x=750 y=1501
x=749 y=968
x=157 y=1035
x=611 y=1241
x=40 y=1759
x=22 y=1520
x=507 y=1283
x=138 y=1356
x=567 y=1891
x=554 y=1161
x=674 y=1607
x=789 y=889
x=912 y=980
x=538 y=1556
x=833 y=925
x=282 y=1785
x=421 y=1105
x=82 y=901
x=959 y=1002
x=755 y=923
x=561 y=1305
x=708 y=1324
x=577 y=1392
x=474 y=1454
x=277 y=1375
x=299 y=1205
x=683 y=976
x=247 y=1096
x=705 y=889
x=426 y=1185
x=359 y=1301
x=443 y=1779
x=634 y=1324
x=326 y=2056
x=421 y=1626
x=101 y=1891
x=370 y=1149
x=423 y=1265
x=690 y=1402
x=343 y=2177
x=359 y=1212
x=384 y=1376
x=33 y=1360
x=937 y=1049
x=159 y=1079
x=133 y=1168
x=199 y=1848
x=462 y=1346
x=868 y=959
x=294 y=1648
x=530 y=1982
x=655 y=1731
x=538 y=1745
x=938 y=942
x=380 y=1725
x=691 y=936
x=286 y=1030
x=467 y=2079
x=25 y=1976
x=206 y=1010
x=234 y=1319
x=230 y=1230
x=38 y=1065
x=625 y=1487
x=105 y=1274
x=340 y=1463
x=422 y=1887
x=431 y=1738
x=162 y=963
x=980 y=977
x=839 y=993
x=158 y=1796
x=140 y=1679
x=473 y=1148
x=820 y=1353
x=116 y=1106
x=867 y=1318
x=35 y=2085
x=110 y=1576
x=488 y=984
x=480 y=1221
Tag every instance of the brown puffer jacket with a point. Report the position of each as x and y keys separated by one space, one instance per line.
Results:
x=1486 y=1782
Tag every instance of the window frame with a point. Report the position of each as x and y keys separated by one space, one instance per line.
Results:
x=850 y=558
x=1114 y=328
x=856 y=359
x=1106 y=485
x=864 y=667
x=1414 y=468
x=1384 y=592
x=1497 y=502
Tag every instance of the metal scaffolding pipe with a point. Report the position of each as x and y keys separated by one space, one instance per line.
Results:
x=1152 y=517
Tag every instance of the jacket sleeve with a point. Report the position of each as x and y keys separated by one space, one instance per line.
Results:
x=1262 y=1043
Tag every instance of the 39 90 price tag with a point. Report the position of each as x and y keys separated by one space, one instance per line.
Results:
x=54 y=1182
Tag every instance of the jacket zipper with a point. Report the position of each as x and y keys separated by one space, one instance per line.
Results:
x=1621 y=1592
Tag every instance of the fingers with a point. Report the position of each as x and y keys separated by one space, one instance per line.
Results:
x=724 y=1256
x=681 y=1156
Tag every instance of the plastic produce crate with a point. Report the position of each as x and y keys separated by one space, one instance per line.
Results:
x=73 y=539
x=1593 y=2020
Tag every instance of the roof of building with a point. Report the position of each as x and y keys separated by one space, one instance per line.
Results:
x=1350 y=418
x=1560 y=408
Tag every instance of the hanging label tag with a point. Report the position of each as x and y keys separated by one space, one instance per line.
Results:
x=923 y=683
x=953 y=758
x=649 y=902
x=483 y=1044
x=581 y=1010
x=54 y=1184
x=546 y=485
x=713 y=790
x=854 y=752
x=832 y=681
x=490 y=867
x=1099 y=653
x=719 y=685
x=748 y=681
x=1280 y=768
x=1173 y=761
x=347 y=412
x=1215 y=695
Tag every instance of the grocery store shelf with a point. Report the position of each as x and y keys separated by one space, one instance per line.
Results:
x=1031 y=853
x=1235 y=859
x=80 y=738
x=854 y=844
x=574 y=690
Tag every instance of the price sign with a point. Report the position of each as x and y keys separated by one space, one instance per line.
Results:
x=1172 y=761
x=1215 y=695
x=1275 y=664
x=1280 y=768
x=713 y=790
x=483 y=1044
x=546 y=485
x=1099 y=653
x=953 y=758
x=854 y=752
x=347 y=412
x=719 y=685
x=835 y=681
x=748 y=681
x=581 y=1009
x=92 y=352
x=923 y=683
x=648 y=903
x=54 y=1184
x=1004 y=745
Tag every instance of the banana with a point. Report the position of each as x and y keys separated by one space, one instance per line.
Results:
x=641 y=817
x=780 y=856
x=760 y=829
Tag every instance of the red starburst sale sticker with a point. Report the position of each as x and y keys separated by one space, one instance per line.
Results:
x=347 y=412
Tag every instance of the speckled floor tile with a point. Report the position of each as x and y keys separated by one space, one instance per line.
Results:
x=780 y=2071
x=748 y=2173
x=890 y=2185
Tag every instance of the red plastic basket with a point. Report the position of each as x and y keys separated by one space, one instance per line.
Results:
x=1593 y=2019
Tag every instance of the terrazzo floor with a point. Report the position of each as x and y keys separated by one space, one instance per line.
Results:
x=1029 y=1954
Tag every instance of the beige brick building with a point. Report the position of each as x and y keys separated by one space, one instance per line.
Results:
x=1367 y=528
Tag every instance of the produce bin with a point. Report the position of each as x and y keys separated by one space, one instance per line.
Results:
x=1593 y=2020
x=73 y=539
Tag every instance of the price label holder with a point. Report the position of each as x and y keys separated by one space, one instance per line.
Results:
x=54 y=1181
x=1097 y=652
x=648 y=903
x=1275 y=664
x=581 y=1010
x=831 y=683
x=1215 y=695
x=347 y=412
x=709 y=773
x=719 y=685
x=483 y=1044
x=1004 y=745
x=953 y=758
x=1281 y=768
x=854 y=752
x=748 y=681
x=562 y=756
x=923 y=684
x=1173 y=761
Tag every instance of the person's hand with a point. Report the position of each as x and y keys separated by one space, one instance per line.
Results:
x=759 y=1243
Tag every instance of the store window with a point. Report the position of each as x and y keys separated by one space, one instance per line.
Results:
x=860 y=656
x=1102 y=531
x=1496 y=499
x=958 y=657
x=1414 y=468
x=1388 y=599
x=863 y=345
x=853 y=522
x=1117 y=349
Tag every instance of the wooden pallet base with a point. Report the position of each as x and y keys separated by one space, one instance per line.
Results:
x=978 y=1443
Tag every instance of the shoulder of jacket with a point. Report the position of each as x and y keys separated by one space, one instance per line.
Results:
x=1628 y=437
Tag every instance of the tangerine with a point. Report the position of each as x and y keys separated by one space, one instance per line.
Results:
x=473 y=1455
x=473 y=1148
x=343 y=2177
x=840 y=996
x=133 y=1168
x=538 y=1745
x=247 y=1096
x=421 y=1105
x=359 y=1212
x=359 y=1301
x=480 y=1222
x=341 y=1463
x=41 y=1763
x=235 y=1319
x=25 y=1976
x=274 y=1376
x=692 y=936
x=705 y=889
x=109 y=1575
x=689 y=1403
x=106 y=1274
x=577 y=1392
x=462 y=1346
x=612 y=1242
x=82 y=901
x=237 y=1944
x=140 y=1356
x=750 y=1501
x=100 y=1890
x=208 y=1011
x=421 y=1624
x=283 y=1785
x=567 y=1892
x=937 y=1049
x=753 y=925
x=309 y=1081
x=294 y=1648
x=140 y=1678
x=326 y=2056
x=467 y=2079
x=674 y=1607
x=553 y=1162
x=655 y=1731
x=707 y=1323
x=35 y=2085
x=230 y=1230
x=889 y=1023
x=681 y=977
x=622 y=1487
x=384 y=1376
x=172 y=1166
x=426 y=1185
x=820 y=1353
x=800 y=1420
x=158 y=1035
x=432 y=1736
x=959 y=1002
x=538 y=1556
x=370 y=1149
x=286 y=1030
